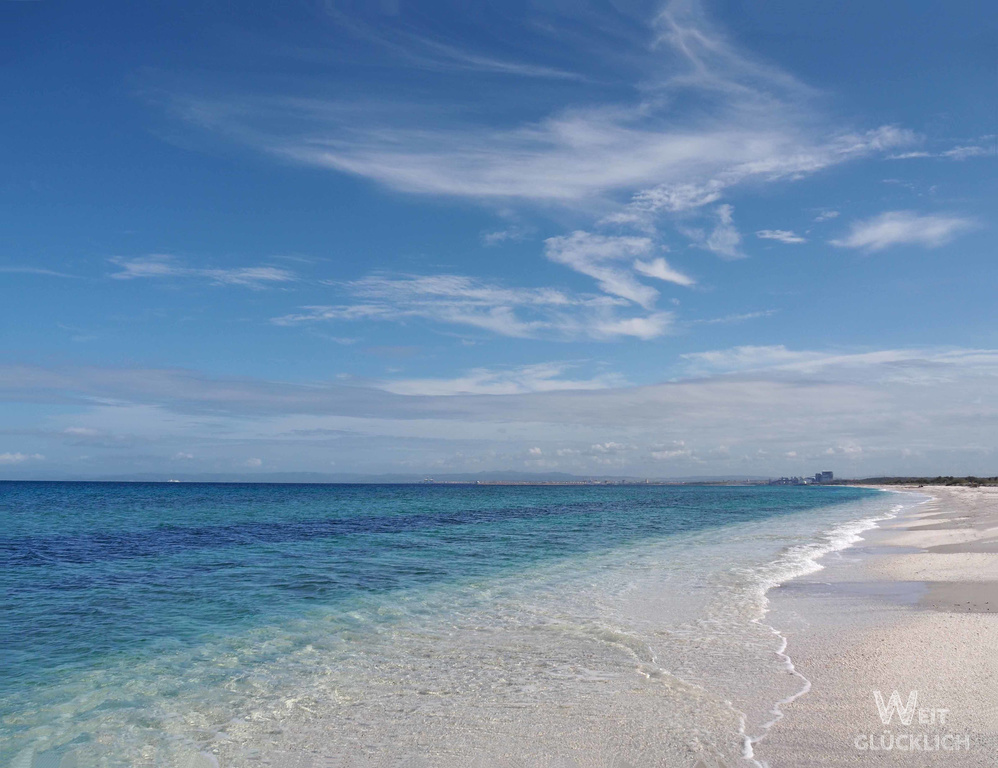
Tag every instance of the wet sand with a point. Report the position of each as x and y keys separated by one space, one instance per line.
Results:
x=910 y=609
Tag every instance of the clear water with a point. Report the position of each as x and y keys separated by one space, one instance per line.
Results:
x=231 y=625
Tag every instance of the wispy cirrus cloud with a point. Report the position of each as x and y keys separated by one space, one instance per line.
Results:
x=752 y=122
x=659 y=269
x=464 y=301
x=393 y=34
x=541 y=377
x=500 y=236
x=612 y=261
x=600 y=257
x=789 y=157
x=736 y=318
x=566 y=158
x=438 y=55
x=23 y=270
x=627 y=161
x=959 y=152
x=904 y=228
x=747 y=358
x=787 y=236
x=164 y=266
x=724 y=239
x=966 y=152
x=893 y=364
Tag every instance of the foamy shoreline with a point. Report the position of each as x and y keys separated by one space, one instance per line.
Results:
x=911 y=608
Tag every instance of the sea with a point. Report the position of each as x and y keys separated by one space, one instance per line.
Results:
x=377 y=626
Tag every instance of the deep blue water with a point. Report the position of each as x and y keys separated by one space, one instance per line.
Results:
x=92 y=572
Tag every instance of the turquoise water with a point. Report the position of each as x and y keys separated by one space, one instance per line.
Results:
x=172 y=624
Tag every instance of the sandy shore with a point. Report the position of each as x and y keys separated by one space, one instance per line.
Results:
x=913 y=609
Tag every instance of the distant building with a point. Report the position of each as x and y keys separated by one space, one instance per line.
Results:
x=818 y=478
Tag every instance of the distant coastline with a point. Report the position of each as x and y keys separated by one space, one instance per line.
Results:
x=943 y=480
x=507 y=478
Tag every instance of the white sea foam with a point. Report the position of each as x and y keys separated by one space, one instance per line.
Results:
x=797 y=561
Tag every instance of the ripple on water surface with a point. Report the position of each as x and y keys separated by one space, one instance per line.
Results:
x=166 y=625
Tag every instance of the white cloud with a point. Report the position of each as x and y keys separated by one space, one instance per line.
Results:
x=500 y=236
x=19 y=458
x=848 y=450
x=523 y=312
x=581 y=154
x=963 y=153
x=593 y=255
x=724 y=239
x=535 y=451
x=156 y=265
x=912 y=411
x=610 y=447
x=904 y=228
x=901 y=364
x=14 y=270
x=254 y=462
x=678 y=197
x=737 y=318
x=660 y=270
x=452 y=299
x=746 y=358
x=183 y=456
x=249 y=276
x=473 y=61
x=771 y=164
x=777 y=357
x=827 y=215
x=164 y=266
x=650 y=327
x=465 y=301
x=627 y=161
x=780 y=235
x=671 y=453
x=754 y=122
x=511 y=233
x=426 y=52
x=543 y=377
x=909 y=155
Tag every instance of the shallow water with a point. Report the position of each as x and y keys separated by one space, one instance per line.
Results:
x=193 y=625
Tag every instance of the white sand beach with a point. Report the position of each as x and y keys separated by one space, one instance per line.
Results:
x=913 y=608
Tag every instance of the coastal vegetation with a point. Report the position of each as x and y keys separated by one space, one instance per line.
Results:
x=970 y=481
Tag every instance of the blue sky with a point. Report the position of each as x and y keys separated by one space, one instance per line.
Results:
x=662 y=239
